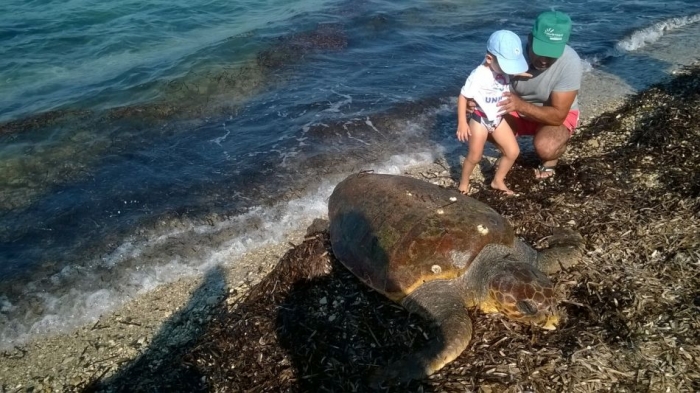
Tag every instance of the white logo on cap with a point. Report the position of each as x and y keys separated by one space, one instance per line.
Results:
x=549 y=32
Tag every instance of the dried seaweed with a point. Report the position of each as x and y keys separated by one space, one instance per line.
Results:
x=629 y=184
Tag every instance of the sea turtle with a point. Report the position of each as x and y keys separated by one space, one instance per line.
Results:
x=437 y=253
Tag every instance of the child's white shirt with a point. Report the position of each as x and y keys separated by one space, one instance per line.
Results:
x=486 y=87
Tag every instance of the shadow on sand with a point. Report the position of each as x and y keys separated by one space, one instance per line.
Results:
x=160 y=367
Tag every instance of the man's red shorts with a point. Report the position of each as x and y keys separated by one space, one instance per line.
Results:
x=525 y=126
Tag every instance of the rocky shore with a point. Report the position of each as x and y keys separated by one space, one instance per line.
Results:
x=629 y=183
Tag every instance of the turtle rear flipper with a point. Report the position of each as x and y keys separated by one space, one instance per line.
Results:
x=440 y=302
x=564 y=251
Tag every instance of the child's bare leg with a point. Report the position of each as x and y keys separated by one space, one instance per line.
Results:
x=477 y=140
x=506 y=142
x=498 y=159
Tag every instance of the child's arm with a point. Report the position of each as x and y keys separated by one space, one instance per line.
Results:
x=463 y=131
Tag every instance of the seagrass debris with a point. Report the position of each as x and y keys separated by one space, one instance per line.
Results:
x=629 y=184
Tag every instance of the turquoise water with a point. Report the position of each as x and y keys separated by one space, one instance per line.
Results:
x=57 y=53
x=145 y=141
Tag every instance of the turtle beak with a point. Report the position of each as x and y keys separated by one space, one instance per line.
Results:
x=551 y=322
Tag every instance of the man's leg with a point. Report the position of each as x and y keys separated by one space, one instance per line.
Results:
x=550 y=144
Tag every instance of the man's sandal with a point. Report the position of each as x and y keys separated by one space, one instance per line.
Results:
x=545 y=172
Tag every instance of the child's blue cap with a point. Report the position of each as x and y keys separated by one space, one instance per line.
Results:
x=506 y=46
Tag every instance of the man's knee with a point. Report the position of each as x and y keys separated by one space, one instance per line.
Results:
x=550 y=141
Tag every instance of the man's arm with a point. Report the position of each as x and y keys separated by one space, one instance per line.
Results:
x=553 y=114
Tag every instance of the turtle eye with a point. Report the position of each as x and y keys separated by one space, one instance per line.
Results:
x=526 y=307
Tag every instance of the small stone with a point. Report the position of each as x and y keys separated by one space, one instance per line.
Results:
x=212 y=300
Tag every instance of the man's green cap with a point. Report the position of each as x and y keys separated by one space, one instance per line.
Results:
x=551 y=33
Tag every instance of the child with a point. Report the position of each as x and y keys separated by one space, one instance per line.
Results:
x=486 y=85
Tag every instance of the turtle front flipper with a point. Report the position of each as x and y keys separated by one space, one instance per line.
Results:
x=442 y=303
x=563 y=252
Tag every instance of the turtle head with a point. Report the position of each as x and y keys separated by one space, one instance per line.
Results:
x=524 y=294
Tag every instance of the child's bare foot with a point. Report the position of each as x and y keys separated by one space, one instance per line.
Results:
x=501 y=186
x=464 y=189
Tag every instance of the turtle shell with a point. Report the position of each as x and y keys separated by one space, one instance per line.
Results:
x=396 y=232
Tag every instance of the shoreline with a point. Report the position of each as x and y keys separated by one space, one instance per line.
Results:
x=182 y=307
x=58 y=361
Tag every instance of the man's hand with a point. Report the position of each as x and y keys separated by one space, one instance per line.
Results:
x=463 y=132
x=510 y=103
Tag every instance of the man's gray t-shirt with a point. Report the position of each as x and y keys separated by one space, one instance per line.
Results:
x=563 y=75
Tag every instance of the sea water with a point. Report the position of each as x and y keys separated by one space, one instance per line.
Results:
x=144 y=141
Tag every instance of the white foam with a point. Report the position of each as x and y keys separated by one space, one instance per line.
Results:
x=587 y=64
x=6 y=305
x=397 y=163
x=77 y=296
x=653 y=33
x=335 y=106
x=124 y=251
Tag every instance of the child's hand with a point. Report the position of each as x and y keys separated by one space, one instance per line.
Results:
x=463 y=132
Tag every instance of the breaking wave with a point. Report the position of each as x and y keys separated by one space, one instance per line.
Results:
x=648 y=35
